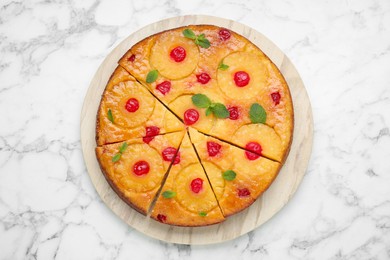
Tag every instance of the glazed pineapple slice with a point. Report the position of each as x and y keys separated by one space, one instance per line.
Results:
x=128 y=110
x=135 y=169
x=130 y=103
x=243 y=75
x=190 y=114
x=187 y=198
x=261 y=140
x=245 y=175
x=173 y=55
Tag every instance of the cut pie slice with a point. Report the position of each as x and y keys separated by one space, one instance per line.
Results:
x=128 y=111
x=245 y=175
x=253 y=78
x=135 y=168
x=187 y=198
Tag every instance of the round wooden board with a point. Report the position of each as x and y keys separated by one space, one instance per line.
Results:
x=267 y=205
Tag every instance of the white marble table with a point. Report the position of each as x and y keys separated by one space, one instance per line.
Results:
x=49 y=53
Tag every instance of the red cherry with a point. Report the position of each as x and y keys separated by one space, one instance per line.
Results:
x=203 y=78
x=213 y=148
x=253 y=150
x=141 y=168
x=164 y=87
x=132 y=105
x=151 y=132
x=191 y=116
x=169 y=153
x=276 y=98
x=178 y=54
x=224 y=34
x=234 y=114
x=196 y=185
x=162 y=218
x=131 y=58
x=243 y=192
x=241 y=78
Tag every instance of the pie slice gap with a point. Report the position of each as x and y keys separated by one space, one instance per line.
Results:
x=129 y=111
x=243 y=175
x=187 y=199
x=135 y=169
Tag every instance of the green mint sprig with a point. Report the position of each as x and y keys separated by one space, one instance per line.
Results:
x=203 y=214
x=257 y=114
x=200 y=40
x=110 y=116
x=201 y=101
x=223 y=66
x=218 y=109
x=152 y=76
x=122 y=149
x=229 y=175
x=168 y=194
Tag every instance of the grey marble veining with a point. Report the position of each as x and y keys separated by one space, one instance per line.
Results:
x=49 y=52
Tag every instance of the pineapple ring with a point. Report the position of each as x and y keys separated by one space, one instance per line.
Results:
x=117 y=103
x=124 y=169
x=166 y=66
x=180 y=105
x=194 y=202
x=250 y=63
x=266 y=136
x=214 y=173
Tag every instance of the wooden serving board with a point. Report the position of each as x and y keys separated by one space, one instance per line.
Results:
x=267 y=205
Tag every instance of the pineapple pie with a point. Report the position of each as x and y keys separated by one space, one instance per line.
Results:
x=193 y=125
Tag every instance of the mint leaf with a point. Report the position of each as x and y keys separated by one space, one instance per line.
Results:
x=229 y=175
x=220 y=110
x=223 y=66
x=110 y=116
x=201 y=36
x=200 y=40
x=116 y=157
x=123 y=147
x=204 y=43
x=201 y=100
x=203 y=214
x=188 y=33
x=209 y=110
x=152 y=76
x=168 y=194
x=257 y=114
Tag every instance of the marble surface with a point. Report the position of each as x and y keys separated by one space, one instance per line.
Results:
x=49 y=52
